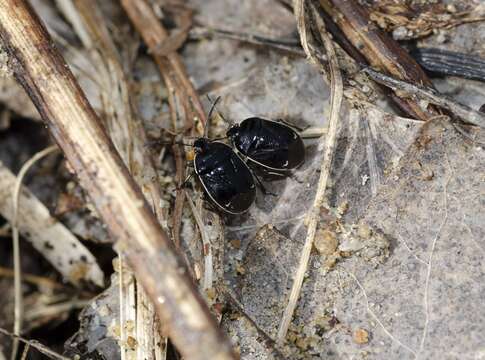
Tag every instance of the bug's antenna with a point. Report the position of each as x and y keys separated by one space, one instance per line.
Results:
x=214 y=103
x=160 y=142
x=209 y=116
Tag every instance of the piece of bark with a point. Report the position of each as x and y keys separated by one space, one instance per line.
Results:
x=39 y=67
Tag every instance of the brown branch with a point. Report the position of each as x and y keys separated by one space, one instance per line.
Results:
x=177 y=81
x=43 y=73
x=154 y=35
x=378 y=48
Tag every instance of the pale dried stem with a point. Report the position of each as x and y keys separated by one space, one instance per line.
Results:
x=40 y=69
x=67 y=254
x=330 y=144
x=18 y=303
x=25 y=352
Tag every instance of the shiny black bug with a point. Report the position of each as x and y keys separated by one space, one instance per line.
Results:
x=226 y=179
x=269 y=144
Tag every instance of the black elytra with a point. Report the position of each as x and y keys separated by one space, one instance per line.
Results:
x=268 y=143
x=226 y=179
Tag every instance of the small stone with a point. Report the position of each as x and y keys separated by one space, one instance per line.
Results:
x=240 y=270
x=189 y=155
x=400 y=33
x=343 y=208
x=211 y=293
x=325 y=242
x=451 y=8
x=364 y=231
x=302 y=343
x=131 y=342
x=361 y=336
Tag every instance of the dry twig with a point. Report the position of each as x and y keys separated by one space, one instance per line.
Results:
x=18 y=308
x=378 y=48
x=40 y=69
x=330 y=144
x=36 y=345
x=268 y=340
x=461 y=111
x=201 y=32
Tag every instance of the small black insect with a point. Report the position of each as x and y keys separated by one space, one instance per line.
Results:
x=226 y=179
x=270 y=144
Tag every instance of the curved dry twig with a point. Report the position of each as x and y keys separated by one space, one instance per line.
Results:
x=329 y=143
x=18 y=308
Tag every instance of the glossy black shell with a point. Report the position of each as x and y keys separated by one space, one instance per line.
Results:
x=225 y=177
x=268 y=143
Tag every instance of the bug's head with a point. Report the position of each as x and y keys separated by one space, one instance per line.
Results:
x=233 y=131
x=201 y=144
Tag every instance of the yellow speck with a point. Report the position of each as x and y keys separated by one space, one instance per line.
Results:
x=361 y=336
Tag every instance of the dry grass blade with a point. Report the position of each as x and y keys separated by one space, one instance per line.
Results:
x=39 y=67
x=18 y=308
x=330 y=145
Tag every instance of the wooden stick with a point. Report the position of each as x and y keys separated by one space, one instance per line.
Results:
x=41 y=70
x=181 y=90
x=154 y=34
x=379 y=49
x=465 y=113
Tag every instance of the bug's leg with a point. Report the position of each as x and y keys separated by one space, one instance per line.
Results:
x=293 y=126
x=311 y=132
x=283 y=174
x=292 y=176
x=262 y=187
x=186 y=181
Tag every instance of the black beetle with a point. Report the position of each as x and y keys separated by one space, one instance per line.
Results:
x=270 y=144
x=225 y=177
